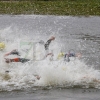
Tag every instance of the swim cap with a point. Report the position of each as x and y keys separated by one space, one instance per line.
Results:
x=2 y=45
x=61 y=54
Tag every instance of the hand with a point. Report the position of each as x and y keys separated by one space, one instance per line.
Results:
x=79 y=55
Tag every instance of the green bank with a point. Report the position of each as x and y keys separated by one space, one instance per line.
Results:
x=51 y=7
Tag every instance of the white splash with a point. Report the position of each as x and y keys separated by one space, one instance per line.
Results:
x=51 y=72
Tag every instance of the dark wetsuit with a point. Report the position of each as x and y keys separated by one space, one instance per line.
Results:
x=15 y=52
x=23 y=60
x=70 y=55
x=66 y=57
x=47 y=44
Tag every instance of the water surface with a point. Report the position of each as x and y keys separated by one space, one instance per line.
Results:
x=80 y=34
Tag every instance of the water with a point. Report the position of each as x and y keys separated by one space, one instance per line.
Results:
x=80 y=34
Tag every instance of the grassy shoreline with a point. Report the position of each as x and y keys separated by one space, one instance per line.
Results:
x=56 y=7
